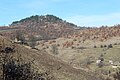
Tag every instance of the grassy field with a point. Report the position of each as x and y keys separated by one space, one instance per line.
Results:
x=80 y=58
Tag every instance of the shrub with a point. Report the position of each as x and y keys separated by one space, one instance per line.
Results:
x=115 y=43
x=105 y=45
x=110 y=46
x=54 y=49
x=117 y=75
x=13 y=71
x=101 y=46
x=32 y=40
x=101 y=64
x=47 y=47
x=101 y=55
x=101 y=58
x=95 y=46
x=82 y=48
x=16 y=69
x=58 y=45
x=74 y=39
x=73 y=47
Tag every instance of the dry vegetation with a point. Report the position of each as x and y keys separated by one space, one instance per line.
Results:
x=47 y=66
x=61 y=51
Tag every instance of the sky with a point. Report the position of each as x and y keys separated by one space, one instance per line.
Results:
x=87 y=13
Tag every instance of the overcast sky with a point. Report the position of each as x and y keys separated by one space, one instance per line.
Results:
x=80 y=12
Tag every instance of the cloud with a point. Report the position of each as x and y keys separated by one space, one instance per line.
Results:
x=95 y=20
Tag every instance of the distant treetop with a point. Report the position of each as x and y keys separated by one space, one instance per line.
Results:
x=47 y=18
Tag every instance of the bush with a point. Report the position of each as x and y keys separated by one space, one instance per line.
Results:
x=74 y=39
x=101 y=58
x=115 y=43
x=73 y=47
x=54 y=49
x=101 y=46
x=32 y=40
x=117 y=75
x=105 y=45
x=95 y=46
x=110 y=46
x=15 y=69
x=101 y=64
x=81 y=48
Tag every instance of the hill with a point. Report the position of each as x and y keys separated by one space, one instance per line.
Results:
x=53 y=67
x=46 y=26
x=66 y=51
x=84 y=49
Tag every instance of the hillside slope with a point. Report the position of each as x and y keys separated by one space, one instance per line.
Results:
x=44 y=62
x=46 y=26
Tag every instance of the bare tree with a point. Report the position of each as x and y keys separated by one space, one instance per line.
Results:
x=20 y=36
x=54 y=49
x=32 y=40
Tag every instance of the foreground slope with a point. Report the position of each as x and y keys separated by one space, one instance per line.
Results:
x=43 y=62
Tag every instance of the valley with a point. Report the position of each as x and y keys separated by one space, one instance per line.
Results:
x=64 y=50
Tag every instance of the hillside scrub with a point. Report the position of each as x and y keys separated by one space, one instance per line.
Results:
x=16 y=69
